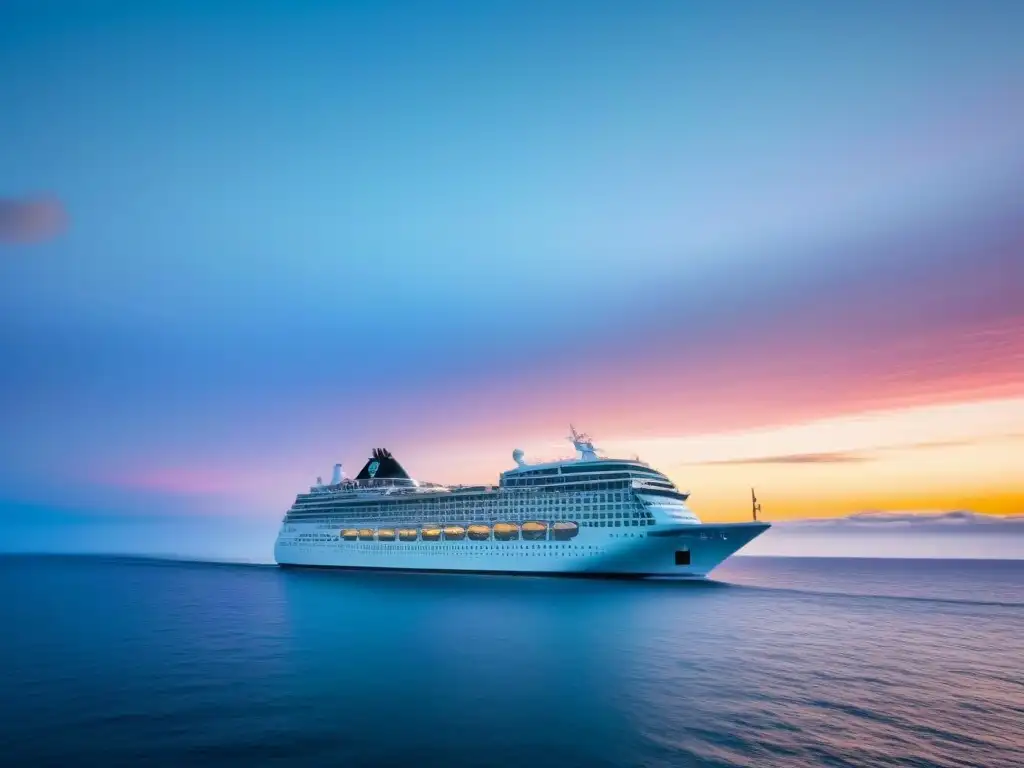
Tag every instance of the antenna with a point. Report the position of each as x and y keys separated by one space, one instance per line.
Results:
x=584 y=444
x=753 y=502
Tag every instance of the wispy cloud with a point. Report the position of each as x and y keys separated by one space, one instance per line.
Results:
x=960 y=443
x=929 y=444
x=27 y=221
x=835 y=457
x=930 y=519
x=954 y=534
x=188 y=481
x=852 y=457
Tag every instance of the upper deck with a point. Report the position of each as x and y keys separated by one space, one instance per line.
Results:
x=383 y=479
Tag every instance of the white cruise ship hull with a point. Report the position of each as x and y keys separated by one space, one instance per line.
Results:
x=588 y=516
x=688 y=551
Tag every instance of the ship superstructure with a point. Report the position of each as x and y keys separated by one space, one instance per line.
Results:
x=586 y=515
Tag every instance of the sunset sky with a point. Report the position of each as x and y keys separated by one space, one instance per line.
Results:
x=772 y=245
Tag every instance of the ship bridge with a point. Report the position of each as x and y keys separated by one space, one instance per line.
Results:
x=588 y=467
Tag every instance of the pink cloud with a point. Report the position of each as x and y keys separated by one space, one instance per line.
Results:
x=214 y=480
x=28 y=221
x=176 y=480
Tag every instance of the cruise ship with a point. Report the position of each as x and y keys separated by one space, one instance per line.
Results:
x=581 y=516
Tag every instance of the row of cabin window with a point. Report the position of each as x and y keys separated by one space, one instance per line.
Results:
x=519 y=482
x=616 y=515
x=603 y=496
x=589 y=469
x=578 y=486
x=619 y=510
x=637 y=518
x=585 y=511
x=518 y=502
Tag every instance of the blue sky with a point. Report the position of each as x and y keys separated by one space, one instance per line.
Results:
x=300 y=228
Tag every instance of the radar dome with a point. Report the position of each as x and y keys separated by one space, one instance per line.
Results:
x=517 y=456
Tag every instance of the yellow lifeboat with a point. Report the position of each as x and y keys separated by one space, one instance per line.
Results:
x=506 y=531
x=408 y=534
x=535 y=531
x=454 y=533
x=385 y=534
x=479 y=532
x=564 y=530
x=431 y=532
x=366 y=534
x=350 y=534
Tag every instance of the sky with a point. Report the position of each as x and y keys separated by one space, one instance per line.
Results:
x=766 y=245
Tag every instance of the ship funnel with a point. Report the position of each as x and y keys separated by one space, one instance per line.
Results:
x=337 y=476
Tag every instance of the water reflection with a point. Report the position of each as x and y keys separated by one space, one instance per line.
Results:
x=201 y=664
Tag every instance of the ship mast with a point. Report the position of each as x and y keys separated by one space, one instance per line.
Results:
x=584 y=444
x=756 y=507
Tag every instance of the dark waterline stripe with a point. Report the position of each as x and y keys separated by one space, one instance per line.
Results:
x=471 y=572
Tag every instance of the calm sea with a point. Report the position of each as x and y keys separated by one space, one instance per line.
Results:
x=110 y=662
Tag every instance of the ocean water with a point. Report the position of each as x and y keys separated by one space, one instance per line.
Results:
x=110 y=662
